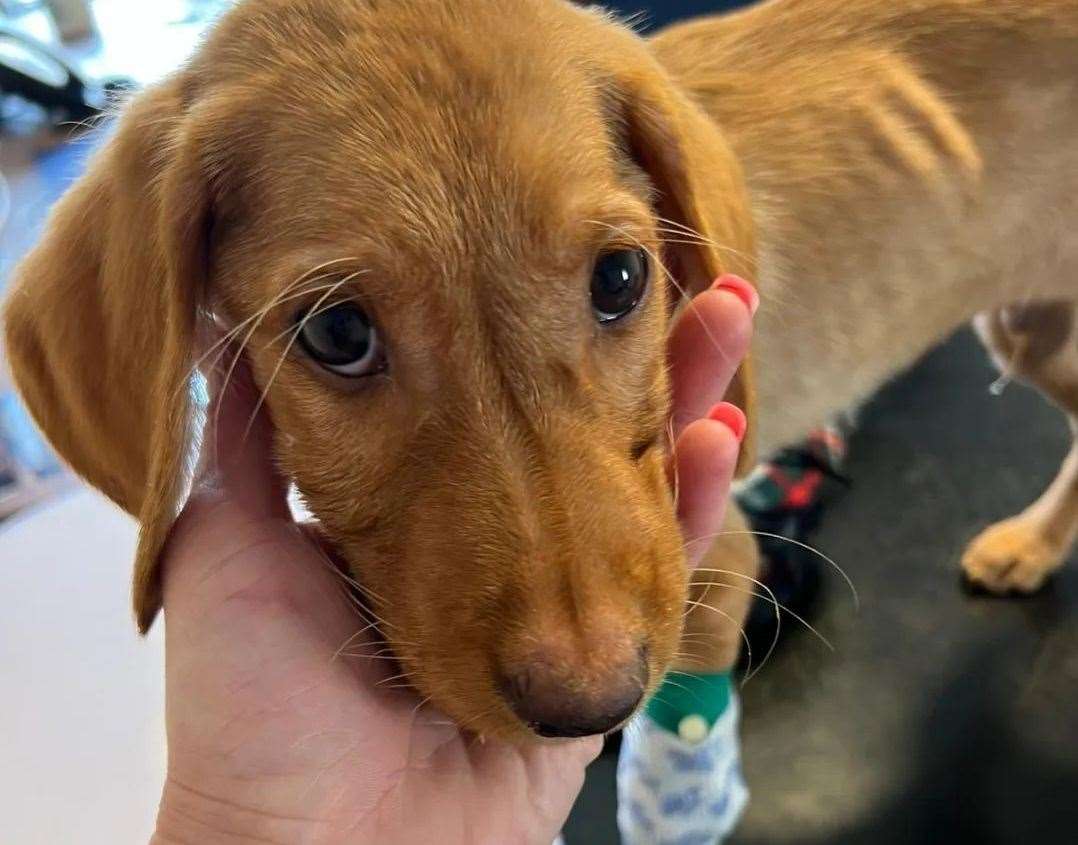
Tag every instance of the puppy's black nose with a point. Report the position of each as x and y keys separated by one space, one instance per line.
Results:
x=555 y=703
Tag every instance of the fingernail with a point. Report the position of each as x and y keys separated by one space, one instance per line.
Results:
x=730 y=416
x=739 y=288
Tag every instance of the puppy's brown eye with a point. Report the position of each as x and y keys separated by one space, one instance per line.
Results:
x=342 y=339
x=618 y=283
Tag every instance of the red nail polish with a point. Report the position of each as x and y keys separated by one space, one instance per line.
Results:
x=739 y=288
x=730 y=416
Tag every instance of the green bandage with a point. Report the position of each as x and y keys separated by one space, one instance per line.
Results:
x=687 y=703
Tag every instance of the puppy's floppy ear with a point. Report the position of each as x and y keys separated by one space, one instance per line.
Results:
x=101 y=319
x=706 y=221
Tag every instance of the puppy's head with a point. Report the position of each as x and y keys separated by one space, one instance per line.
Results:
x=449 y=238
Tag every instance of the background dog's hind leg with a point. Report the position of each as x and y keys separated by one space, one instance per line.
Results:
x=1037 y=343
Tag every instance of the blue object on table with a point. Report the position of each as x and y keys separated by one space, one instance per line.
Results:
x=21 y=440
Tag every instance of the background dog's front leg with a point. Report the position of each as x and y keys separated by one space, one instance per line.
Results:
x=679 y=774
x=723 y=588
x=1037 y=342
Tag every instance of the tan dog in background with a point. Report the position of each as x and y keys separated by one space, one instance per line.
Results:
x=445 y=179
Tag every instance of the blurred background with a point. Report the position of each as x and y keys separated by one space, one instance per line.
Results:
x=926 y=716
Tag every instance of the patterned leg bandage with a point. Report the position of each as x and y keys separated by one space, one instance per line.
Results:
x=679 y=773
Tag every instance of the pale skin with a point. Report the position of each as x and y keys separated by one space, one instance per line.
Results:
x=275 y=737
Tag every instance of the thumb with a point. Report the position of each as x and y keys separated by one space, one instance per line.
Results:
x=236 y=458
x=235 y=535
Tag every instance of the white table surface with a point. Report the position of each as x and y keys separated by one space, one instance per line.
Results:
x=82 y=749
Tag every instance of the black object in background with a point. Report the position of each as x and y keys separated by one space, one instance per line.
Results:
x=38 y=74
x=661 y=13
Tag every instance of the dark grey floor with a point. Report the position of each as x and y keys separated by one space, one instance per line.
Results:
x=938 y=717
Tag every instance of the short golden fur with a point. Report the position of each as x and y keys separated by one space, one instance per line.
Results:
x=883 y=171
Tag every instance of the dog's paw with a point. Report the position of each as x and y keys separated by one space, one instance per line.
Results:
x=1013 y=556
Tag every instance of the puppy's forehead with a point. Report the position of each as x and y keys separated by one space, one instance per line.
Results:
x=428 y=123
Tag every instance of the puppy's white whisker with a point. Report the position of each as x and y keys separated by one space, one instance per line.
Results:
x=353 y=638
x=316 y=309
x=749 y=675
x=288 y=348
x=771 y=600
x=349 y=586
x=308 y=275
x=360 y=588
x=222 y=342
x=740 y=629
x=385 y=681
x=367 y=614
x=670 y=277
x=693 y=693
x=683 y=230
x=702 y=601
x=367 y=590
x=310 y=315
x=799 y=544
x=284 y=295
x=673 y=462
x=679 y=226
